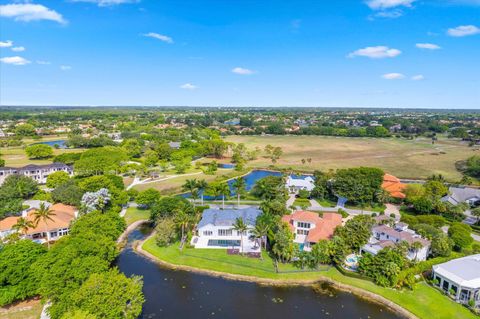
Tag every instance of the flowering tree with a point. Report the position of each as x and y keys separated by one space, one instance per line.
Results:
x=95 y=200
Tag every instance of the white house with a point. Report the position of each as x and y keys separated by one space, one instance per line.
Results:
x=294 y=185
x=386 y=236
x=215 y=229
x=38 y=173
x=460 y=276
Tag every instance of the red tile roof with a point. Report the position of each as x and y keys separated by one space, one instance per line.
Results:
x=324 y=226
x=393 y=186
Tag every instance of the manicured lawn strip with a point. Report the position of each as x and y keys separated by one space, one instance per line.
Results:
x=326 y=202
x=133 y=214
x=301 y=201
x=424 y=301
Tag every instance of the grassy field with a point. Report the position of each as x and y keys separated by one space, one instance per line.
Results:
x=15 y=156
x=403 y=158
x=424 y=301
x=133 y=214
x=174 y=185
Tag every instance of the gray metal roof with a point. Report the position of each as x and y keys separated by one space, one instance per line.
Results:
x=227 y=217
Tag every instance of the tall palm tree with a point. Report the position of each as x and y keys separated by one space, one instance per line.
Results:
x=202 y=186
x=223 y=190
x=416 y=246
x=44 y=214
x=239 y=186
x=191 y=185
x=183 y=220
x=241 y=228
x=260 y=232
x=23 y=225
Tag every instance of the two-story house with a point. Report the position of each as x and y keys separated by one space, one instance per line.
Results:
x=386 y=236
x=309 y=227
x=38 y=173
x=216 y=230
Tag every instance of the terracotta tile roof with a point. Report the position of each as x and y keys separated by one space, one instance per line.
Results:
x=393 y=186
x=324 y=226
x=64 y=214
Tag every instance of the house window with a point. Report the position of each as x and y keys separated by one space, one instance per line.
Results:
x=302 y=232
x=224 y=232
x=303 y=225
x=63 y=232
x=240 y=233
x=207 y=233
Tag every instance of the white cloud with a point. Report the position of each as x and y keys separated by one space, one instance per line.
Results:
x=393 y=76
x=14 y=60
x=392 y=14
x=106 y=3
x=242 y=71
x=463 y=31
x=43 y=62
x=30 y=12
x=418 y=77
x=378 y=52
x=65 y=67
x=188 y=86
x=18 y=49
x=158 y=36
x=387 y=4
x=428 y=46
x=6 y=44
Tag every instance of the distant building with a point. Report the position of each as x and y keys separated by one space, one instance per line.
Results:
x=232 y=122
x=460 y=276
x=174 y=145
x=309 y=228
x=57 y=227
x=38 y=173
x=385 y=236
x=393 y=186
x=294 y=185
x=458 y=195
x=215 y=229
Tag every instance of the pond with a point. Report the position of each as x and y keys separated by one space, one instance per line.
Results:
x=60 y=143
x=250 y=180
x=182 y=295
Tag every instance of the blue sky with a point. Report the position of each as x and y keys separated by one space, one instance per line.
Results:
x=345 y=53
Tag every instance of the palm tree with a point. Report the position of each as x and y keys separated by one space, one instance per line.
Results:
x=223 y=190
x=182 y=219
x=191 y=186
x=202 y=186
x=416 y=245
x=260 y=232
x=241 y=228
x=44 y=214
x=23 y=225
x=239 y=186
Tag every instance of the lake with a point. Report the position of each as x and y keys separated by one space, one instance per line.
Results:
x=60 y=143
x=182 y=295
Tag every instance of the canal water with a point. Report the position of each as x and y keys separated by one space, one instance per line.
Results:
x=183 y=295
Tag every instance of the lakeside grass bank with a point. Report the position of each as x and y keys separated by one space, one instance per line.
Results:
x=422 y=302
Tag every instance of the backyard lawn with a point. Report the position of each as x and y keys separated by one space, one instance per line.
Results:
x=133 y=214
x=424 y=301
x=403 y=158
x=30 y=309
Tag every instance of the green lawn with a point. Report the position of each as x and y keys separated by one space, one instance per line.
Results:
x=377 y=209
x=403 y=158
x=299 y=202
x=133 y=214
x=424 y=301
x=326 y=202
